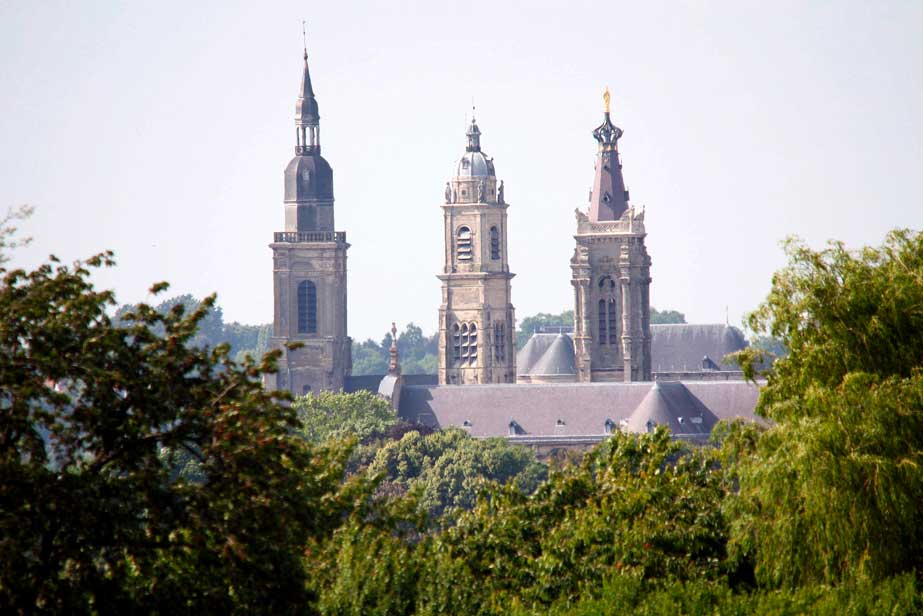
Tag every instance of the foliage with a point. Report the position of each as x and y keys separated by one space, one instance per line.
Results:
x=546 y=322
x=242 y=339
x=830 y=493
x=329 y=415
x=93 y=517
x=417 y=353
x=8 y=230
x=447 y=469
x=663 y=317
x=638 y=506
x=541 y=322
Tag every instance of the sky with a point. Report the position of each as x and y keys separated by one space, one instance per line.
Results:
x=161 y=130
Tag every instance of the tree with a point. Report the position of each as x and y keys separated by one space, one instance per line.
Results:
x=93 y=518
x=417 y=351
x=543 y=321
x=8 y=230
x=448 y=468
x=831 y=491
x=330 y=415
x=661 y=317
x=637 y=507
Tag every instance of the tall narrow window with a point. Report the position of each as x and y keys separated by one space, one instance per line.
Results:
x=499 y=342
x=307 y=307
x=456 y=344
x=610 y=305
x=472 y=344
x=494 y=244
x=603 y=337
x=463 y=244
x=607 y=311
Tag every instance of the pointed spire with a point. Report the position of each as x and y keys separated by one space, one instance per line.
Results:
x=307 y=115
x=608 y=199
x=394 y=365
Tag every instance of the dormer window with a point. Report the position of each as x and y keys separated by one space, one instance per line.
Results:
x=609 y=426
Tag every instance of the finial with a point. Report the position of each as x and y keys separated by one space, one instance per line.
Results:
x=304 y=38
x=606 y=99
x=394 y=366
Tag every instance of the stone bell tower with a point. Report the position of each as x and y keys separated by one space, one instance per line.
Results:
x=309 y=266
x=611 y=274
x=476 y=318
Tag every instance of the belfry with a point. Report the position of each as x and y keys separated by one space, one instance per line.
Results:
x=476 y=317
x=309 y=266
x=611 y=274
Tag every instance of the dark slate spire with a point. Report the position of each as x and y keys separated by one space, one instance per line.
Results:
x=609 y=199
x=307 y=116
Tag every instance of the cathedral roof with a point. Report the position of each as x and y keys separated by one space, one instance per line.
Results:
x=578 y=409
x=684 y=347
x=672 y=405
x=552 y=354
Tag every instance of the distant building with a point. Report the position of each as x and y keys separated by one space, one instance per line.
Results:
x=476 y=318
x=611 y=274
x=309 y=266
x=615 y=371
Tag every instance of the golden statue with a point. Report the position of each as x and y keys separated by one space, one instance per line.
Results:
x=606 y=99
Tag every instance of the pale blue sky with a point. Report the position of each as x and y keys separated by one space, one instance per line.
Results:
x=161 y=130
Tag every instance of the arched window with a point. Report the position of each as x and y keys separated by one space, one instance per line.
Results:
x=464 y=344
x=606 y=311
x=463 y=244
x=456 y=344
x=307 y=307
x=494 y=243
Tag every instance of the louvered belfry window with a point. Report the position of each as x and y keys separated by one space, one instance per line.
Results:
x=464 y=344
x=463 y=244
x=494 y=244
x=307 y=307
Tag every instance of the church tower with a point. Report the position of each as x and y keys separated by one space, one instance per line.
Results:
x=611 y=274
x=309 y=266
x=476 y=318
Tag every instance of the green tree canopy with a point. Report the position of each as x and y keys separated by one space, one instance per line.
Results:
x=93 y=518
x=832 y=490
x=448 y=468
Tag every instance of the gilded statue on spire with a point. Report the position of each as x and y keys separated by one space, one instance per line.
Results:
x=606 y=99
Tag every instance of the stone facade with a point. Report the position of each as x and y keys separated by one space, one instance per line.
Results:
x=476 y=317
x=309 y=267
x=611 y=275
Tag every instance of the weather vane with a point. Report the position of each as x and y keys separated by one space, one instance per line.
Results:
x=304 y=37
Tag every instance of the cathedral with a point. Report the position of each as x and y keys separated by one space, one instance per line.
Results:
x=614 y=371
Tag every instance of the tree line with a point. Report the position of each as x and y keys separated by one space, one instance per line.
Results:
x=143 y=472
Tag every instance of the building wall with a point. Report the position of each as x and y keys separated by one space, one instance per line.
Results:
x=476 y=291
x=325 y=359
x=611 y=264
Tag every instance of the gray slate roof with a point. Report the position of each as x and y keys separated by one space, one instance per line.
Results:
x=678 y=348
x=574 y=409
x=547 y=354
